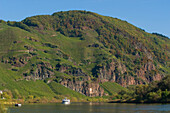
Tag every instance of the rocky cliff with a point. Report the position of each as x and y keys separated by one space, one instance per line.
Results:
x=85 y=87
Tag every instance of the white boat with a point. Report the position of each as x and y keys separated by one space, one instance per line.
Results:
x=66 y=101
x=19 y=105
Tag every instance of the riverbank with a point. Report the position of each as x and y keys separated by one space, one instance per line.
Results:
x=139 y=102
x=51 y=100
x=13 y=102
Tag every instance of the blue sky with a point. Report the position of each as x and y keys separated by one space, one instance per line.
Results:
x=151 y=15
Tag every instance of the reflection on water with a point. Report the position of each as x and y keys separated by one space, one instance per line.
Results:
x=92 y=108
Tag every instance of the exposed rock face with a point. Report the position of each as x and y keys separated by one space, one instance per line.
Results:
x=128 y=80
x=70 y=70
x=83 y=86
x=117 y=72
x=17 y=61
x=43 y=71
x=111 y=71
x=140 y=46
x=91 y=89
x=146 y=68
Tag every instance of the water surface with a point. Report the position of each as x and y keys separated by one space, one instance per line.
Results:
x=92 y=108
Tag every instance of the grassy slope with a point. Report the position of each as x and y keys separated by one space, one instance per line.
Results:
x=25 y=88
x=112 y=88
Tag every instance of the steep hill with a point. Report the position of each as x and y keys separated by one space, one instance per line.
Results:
x=80 y=50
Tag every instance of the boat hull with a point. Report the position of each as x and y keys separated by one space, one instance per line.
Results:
x=65 y=101
x=19 y=105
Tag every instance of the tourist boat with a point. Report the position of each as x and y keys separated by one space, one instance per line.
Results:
x=19 y=105
x=66 y=101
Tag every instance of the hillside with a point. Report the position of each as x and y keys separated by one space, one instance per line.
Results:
x=80 y=50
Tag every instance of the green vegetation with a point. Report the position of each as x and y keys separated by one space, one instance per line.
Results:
x=112 y=88
x=154 y=92
x=39 y=52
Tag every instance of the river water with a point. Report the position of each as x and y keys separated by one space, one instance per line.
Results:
x=92 y=108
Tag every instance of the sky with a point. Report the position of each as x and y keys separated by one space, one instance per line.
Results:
x=150 y=15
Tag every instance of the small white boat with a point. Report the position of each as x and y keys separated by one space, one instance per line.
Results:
x=19 y=105
x=66 y=101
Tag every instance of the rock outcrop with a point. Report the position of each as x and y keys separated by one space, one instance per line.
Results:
x=70 y=70
x=111 y=71
x=117 y=72
x=41 y=72
x=85 y=87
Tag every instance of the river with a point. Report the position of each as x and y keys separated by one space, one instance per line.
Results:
x=92 y=108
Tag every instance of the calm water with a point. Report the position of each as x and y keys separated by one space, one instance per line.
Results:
x=92 y=108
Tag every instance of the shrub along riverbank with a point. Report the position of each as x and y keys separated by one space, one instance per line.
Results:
x=155 y=92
